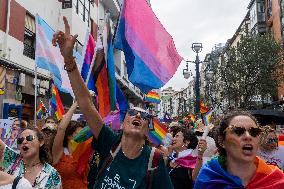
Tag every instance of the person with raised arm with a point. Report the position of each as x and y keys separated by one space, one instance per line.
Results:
x=62 y=151
x=126 y=161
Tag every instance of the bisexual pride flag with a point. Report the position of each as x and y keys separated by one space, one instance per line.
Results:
x=89 y=52
x=150 y=53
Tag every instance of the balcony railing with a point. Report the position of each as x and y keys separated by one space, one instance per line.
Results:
x=29 y=51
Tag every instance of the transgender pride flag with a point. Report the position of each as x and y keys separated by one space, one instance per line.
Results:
x=149 y=50
x=49 y=57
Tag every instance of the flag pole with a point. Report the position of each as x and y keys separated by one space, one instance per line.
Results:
x=35 y=95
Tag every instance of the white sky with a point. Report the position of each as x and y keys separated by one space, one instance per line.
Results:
x=190 y=21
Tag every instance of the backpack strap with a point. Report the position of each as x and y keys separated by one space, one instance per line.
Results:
x=113 y=152
x=15 y=182
x=153 y=164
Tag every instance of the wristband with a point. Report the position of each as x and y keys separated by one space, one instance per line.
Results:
x=70 y=67
x=200 y=158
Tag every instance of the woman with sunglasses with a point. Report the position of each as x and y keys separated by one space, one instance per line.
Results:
x=32 y=162
x=269 y=149
x=126 y=162
x=62 y=152
x=237 y=165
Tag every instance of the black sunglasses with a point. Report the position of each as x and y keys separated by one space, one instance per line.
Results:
x=28 y=138
x=143 y=115
x=253 y=131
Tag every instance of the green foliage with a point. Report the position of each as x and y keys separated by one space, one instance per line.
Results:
x=252 y=69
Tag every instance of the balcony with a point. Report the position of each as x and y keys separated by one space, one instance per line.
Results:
x=113 y=7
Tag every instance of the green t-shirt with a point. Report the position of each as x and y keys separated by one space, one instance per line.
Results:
x=125 y=173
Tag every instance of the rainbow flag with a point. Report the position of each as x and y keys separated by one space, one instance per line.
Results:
x=89 y=49
x=213 y=175
x=207 y=117
x=191 y=117
x=150 y=53
x=153 y=97
x=159 y=133
x=41 y=110
x=203 y=108
x=56 y=106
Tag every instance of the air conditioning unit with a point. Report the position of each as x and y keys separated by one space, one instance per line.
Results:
x=44 y=84
x=41 y=91
x=22 y=79
x=38 y=82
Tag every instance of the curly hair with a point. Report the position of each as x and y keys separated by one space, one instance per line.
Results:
x=265 y=132
x=71 y=128
x=188 y=136
x=44 y=156
x=225 y=122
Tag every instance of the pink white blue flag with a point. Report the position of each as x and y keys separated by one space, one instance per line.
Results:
x=49 y=57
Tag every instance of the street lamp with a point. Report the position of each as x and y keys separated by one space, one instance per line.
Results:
x=197 y=48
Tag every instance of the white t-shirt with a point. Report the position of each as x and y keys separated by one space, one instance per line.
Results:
x=275 y=157
x=209 y=152
x=22 y=184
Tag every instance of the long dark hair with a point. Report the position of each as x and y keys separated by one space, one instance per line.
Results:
x=44 y=156
x=225 y=122
x=71 y=128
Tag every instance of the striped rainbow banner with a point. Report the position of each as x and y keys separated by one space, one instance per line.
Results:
x=153 y=97
x=2 y=80
x=159 y=133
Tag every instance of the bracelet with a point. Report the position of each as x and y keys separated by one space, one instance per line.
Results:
x=70 y=67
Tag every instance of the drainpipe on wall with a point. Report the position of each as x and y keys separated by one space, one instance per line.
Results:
x=4 y=52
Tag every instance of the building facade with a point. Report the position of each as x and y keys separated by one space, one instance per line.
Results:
x=17 y=49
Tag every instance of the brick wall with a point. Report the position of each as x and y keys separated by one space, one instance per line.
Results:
x=17 y=21
x=3 y=13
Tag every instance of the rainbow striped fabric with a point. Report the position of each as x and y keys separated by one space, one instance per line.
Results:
x=41 y=110
x=159 y=133
x=150 y=53
x=203 y=108
x=212 y=175
x=56 y=106
x=153 y=97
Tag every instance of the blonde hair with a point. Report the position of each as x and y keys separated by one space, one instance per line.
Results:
x=266 y=130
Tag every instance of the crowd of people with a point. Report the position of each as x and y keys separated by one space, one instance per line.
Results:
x=237 y=152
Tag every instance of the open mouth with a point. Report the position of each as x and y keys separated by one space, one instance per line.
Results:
x=247 y=149
x=136 y=123
x=25 y=148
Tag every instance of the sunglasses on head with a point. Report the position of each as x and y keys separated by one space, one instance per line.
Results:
x=239 y=131
x=143 y=115
x=272 y=140
x=28 y=138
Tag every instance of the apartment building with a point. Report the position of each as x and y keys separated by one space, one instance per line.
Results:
x=17 y=49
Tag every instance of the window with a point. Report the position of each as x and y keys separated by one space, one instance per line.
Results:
x=82 y=8
x=29 y=37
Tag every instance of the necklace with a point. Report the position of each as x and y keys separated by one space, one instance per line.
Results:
x=30 y=167
x=138 y=153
